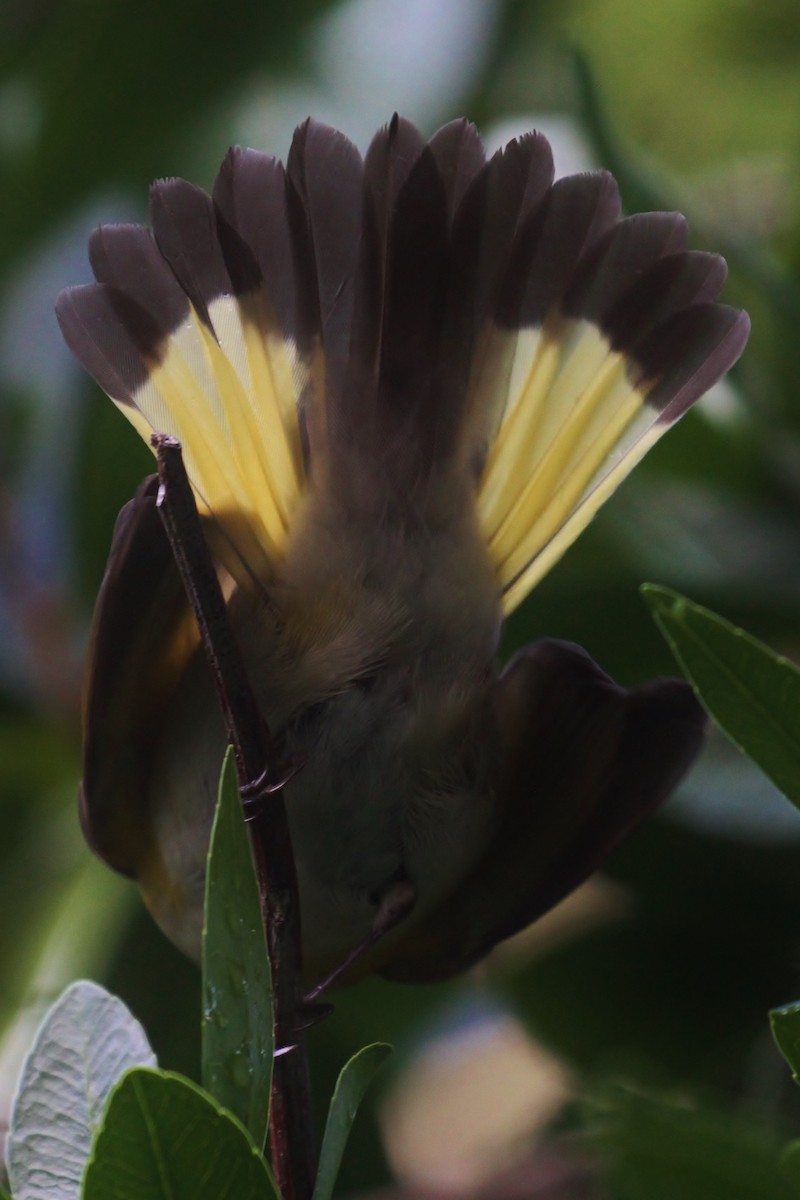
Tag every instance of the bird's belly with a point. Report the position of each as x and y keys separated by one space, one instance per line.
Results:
x=371 y=808
x=377 y=680
x=381 y=794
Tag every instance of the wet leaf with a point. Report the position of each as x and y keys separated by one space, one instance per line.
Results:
x=354 y=1079
x=237 y=1030
x=163 y=1138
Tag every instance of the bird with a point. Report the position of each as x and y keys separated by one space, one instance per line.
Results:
x=404 y=384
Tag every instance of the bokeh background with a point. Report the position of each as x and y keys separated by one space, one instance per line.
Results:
x=626 y=1035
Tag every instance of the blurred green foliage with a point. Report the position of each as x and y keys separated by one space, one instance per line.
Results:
x=693 y=105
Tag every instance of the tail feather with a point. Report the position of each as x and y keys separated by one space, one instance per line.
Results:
x=127 y=258
x=414 y=281
x=460 y=157
x=185 y=230
x=378 y=329
x=400 y=305
x=675 y=282
x=517 y=178
x=222 y=382
x=620 y=259
x=325 y=173
x=410 y=350
x=606 y=336
x=250 y=199
x=573 y=214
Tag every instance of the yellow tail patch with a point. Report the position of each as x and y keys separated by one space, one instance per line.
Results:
x=232 y=401
x=572 y=429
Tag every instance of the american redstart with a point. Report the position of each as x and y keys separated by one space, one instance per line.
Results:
x=403 y=385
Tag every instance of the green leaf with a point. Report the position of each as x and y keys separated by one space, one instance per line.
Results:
x=237 y=1029
x=661 y=1150
x=752 y=693
x=163 y=1138
x=87 y=1040
x=785 y=1025
x=354 y=1079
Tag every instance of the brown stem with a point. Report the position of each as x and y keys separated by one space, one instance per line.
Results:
x=261 y=777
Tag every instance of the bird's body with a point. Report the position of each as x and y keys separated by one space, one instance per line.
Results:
x=377 y=680
x=403 y=386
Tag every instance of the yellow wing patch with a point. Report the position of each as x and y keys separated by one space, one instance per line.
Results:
x=573 y=427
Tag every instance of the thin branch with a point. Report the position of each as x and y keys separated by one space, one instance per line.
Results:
x=261 y=776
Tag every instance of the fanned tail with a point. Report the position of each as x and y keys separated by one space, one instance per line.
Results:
x=403 y=332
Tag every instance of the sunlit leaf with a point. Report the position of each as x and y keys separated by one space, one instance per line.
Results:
x=163 y=1138
x=237 y=988
x=354 y=1079
x=86 y=1042
x=752 y=693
